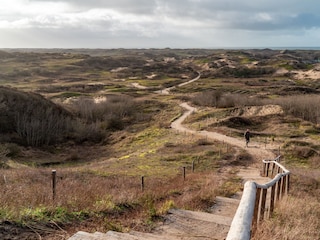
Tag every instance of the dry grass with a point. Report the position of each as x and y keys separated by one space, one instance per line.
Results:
x=298 y=215
x=26 y=197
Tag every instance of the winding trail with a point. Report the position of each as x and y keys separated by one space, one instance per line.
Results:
x=167 y=90
x=254 y=149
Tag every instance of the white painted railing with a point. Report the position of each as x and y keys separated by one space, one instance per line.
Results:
x=258 y=200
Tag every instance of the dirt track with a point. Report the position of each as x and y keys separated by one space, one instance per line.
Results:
x=257 y=151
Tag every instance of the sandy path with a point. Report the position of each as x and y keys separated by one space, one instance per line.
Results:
x=167 y=90
x=259 y=152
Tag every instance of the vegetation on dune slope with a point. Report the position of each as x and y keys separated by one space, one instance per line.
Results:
x=102 y=134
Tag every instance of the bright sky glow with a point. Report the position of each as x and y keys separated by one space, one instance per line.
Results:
x=159 y=23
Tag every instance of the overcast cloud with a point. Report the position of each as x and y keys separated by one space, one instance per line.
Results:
x=159 y=23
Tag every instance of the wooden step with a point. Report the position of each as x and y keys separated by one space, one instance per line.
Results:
x=201 y=216
x=252 y=174
x=225 y=206
x=189 y=225
x=152 y=236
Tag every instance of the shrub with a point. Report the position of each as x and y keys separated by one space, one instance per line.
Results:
x=301 y=106
x=91 y=132
x=224 y=100
x=36 y=120
x=114 y=111
x=208 y=98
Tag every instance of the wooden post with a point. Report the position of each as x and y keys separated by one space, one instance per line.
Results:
x=142 y=183
x=279 y=151
x=184 y=173
x=278 y=189
x=255 y=219
x=272 y=171
x=281 y=187
x=264 y=172
x=272 y=198
x=54 y=183
x=284 y=184
x=268 y=167
x=263 y=204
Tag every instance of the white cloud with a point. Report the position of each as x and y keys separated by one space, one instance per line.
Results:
x=193 y=23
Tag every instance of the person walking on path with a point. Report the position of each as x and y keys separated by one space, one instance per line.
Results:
x=247 y=137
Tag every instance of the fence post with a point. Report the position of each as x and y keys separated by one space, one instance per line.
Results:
x=284 y=184
x=142 y=183
x=256 y=210
x=263 y=204
x=272 y=171
x=279 y=188
x=54 y=183
x=184 y=173
x=268 y=167
x=193 y=166
x=272 y=199
x=283 y=181
x=264 y=170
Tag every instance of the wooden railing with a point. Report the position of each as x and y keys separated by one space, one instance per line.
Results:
x=258 y=200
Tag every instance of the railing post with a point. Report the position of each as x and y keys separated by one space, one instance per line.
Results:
x=263 y=204
x=272 y=171
x=268 y=167
x=278 y=189
x=256 y=211
x=281 y=187
x=272 y=199
x=284 y=184
x=264 y=170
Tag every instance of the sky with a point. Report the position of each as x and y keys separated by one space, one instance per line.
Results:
x=159 y=23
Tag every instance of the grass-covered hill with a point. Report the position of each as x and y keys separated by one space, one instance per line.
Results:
x=99 y=118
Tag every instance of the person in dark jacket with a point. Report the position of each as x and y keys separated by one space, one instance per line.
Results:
x=247 y=137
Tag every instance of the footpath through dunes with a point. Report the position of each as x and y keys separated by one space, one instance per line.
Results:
x=254 y=149
x=193 y=225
